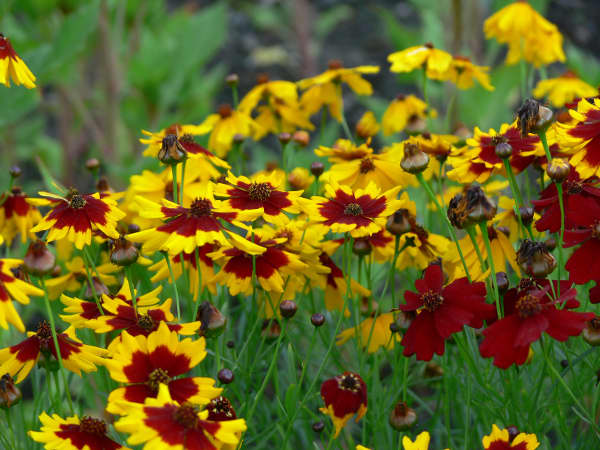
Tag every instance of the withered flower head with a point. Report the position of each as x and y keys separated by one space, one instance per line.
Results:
x=9 y=393
x=470 y=207
x=361 y=246
x=591 y=333
x=211 y=319
x=399 y=222
x=558 y=170
x=123 y=252
x=534 y=258
x=414 y=160
x=38 y=260
x=402 y=417
x=533 y=117
x=171 y=151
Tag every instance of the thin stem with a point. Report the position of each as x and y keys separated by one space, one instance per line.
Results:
x=129 y=277
x=471 y=232
x=174 y=176
x=167 y=259
x=391 y=278
x=88 y=260
x=562 y=232
x=517 y=194
x=182 y=183
x=493 y=280
x=234 y=95
x=343 y=117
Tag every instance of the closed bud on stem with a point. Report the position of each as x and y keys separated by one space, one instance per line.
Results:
x=414 y=160
x=123 y=252
x=513 y=432
x=361 y=247
x=502 y=282
x=15 y=172
x=558 y=170
x=38 y=260
x=212 y=321
x=232 y=79
x=317 y=319
x=535 y=260
x=318 y=426
x=402 y=417
x=503 y=150
x=171 y=151
x=399 y=222
x=225 y=376
x=591 y=333
x=288 y=308
x=92 y=164
x=284 y=138
x=433 y=370
x=526 y=213
x=9 y=393
x=550 y=244
x=301 y=137
x=317 y=168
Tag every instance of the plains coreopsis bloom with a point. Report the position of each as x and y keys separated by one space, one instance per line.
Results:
x=464 y=73
x=367 y=126
x=442 y=311
x=374 y=331
x=74 y=433
x=361 y=212
x=404 y=111
x=77 y=215
x=76 y=356
x=420 y=246
x=564 y=89
x=142 y=363
x=17 y=216
x=344 y=396
x=530 y=310
x=13 y=288
x=13 y=67
x=435 y=61
x=584 y=264
x=162 y=422
x=501 y=440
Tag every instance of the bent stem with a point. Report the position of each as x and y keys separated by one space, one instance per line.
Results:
x=493 y=280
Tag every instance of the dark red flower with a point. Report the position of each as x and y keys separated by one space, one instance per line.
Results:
x=443 y=311
x=344 y=396
x=519 y=144
x=584 y=264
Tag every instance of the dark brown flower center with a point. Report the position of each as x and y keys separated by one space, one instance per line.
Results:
x=528 y=306
x=93 y=426
x=156 y=377
x=366 y=165
x=220 y=409
x=595 y=323
x=186 y=416
x=498 y=139
x=335 y=64
x=201 y=207
x=145 y=322
x=259 y=192
x=573 y=187
x=431 y=300
x=44 y=332
x=349 y=382
x=353 y=209
x=77 y=201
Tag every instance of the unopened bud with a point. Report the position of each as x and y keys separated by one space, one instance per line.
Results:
x=402 y=417
x=123 y=252
x=318 y=426
x=550 y=244
x=38 y=260
x=99 y=289
x=288 y=308
x=558 y=170
x=535 y=260
x=414 y=160
x=92 y=164
x=317 y=168
x=284 y=138
x=317 y=319
x=15 y=171
x=232 y=79
x=225 y=376
x=399 y=222
x=361 y=247
x=301 y=137
x=212 y=321
x=502 y=282
x=503 y=150
x=591 y=332
x=526 y=214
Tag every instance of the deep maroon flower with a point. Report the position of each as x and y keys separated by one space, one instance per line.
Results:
x=530 y=310
x=344 y=396
x=442 y=312
x=584 y=264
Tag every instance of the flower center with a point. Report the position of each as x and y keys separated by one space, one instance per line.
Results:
x=335 y=64
x=353 y=209
x=572 y=187
x=498 y=139
x=225 y=111
x=349 y=382
x=259 y=192
x=156 y=377
x=145 y=322
x=220 y=409
x=366 y=165
x=93 y=426
x=186 y=415
x=44 y=332
x=77 y=201
x=528 y=306
x=201 y=207
x=432 y=300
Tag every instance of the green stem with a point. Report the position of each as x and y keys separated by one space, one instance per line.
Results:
x=129 y=277
x=514 y=187
x=234 y=94
x=88 y=260
x=167 y=259
x=391 y=278
x=561 y=236
x=404 y=379
x=494 y=281
x=343 y=117
x=471 y=232
x=181 y=184
x=174 y=176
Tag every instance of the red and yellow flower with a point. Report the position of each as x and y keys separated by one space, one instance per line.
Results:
x=13 y=67
x=76 y=276
x=12 y=288
x=501 y=440
x=344 y=395
x=17 y=216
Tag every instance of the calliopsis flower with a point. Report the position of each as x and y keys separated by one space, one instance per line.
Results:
x=436 y=62
x=502 y=440
x=439 y=146
x=583 y=264
x=162 y=422
x=325 y=89
x=12 y=288
x=300 y=178
x=76 y=356
x=420 y=247
x=17 y=216
x=154 y=140
x=12 y=66
x=464 y=73
x=442 y=311
x=142 y=363
x=262 y=192
x=74 y=433
x=367 y=126
x=563 y=89
x=404 y=111
x=344 y=396
x=360 y=212
x=344 y=150
x=373 y=333
x=530 y=310
x=77 y=215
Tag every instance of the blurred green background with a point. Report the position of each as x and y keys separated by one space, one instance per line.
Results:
x=108 y=68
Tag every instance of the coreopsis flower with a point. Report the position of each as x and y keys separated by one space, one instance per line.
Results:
x=502 y=440
x=361 y=212
x=76 y=356
x=439 y=146
x=530 y=310
x=142 y=363
x=374 y=332
x=564 y=89
x=478 y=161
x=325 y=89
x=583 y=264
x=529 y=35
x=344 y=396
x=12 y=288
x=272 y=263
x=367 y=126
x=76 y=276
x=17 y=216
x=435 y=62
x=464 y=73
x=263 y=192
x=154 y=140
x=12 y=66
x=77 y=215
x=85 y=433
x=300 y=179
x=420 y=246
x=162 y=422
x=442 y=311
x=344 y=150
x=187 y=228
x=403 y=111
x=535 y=259
x=224 y=125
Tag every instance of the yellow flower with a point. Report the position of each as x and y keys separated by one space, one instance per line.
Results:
x=77 y=275
x=373 y=331
x=500 y=439
x=436 y=62
x=300 y=178
x=367 y=126
x=420 y=443
x=564 y=89
x=17 y=216
x=13 y=288
x=403 y=111
x=154 y=140
x=13 y=67
x=464 y=73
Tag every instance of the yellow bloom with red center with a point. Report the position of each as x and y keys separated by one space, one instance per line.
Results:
x=13 y=67
x=11 y=288
x=374 y=333
x=76 y=276
x=344 y=395
x=17 y=216
x=187 y=228
x=528 y=34
x=74 y=433
x=142 y=363
x=77 y=215
x=263 y=192
x=76 y=356
x=162 y=422
x=325 y=89
x=272 y=263
x=360 y=212
x=404 y=111
x=564 y=89
x=464 y=73
x=500 y=439
x=300 y=178
x=367 y=126
x=154 y=141
x=435 y=62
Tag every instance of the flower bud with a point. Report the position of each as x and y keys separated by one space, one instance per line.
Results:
x=433 y=370
x=402 y=417
x=503 y=150
x=38 y=260
x=288 y=308
x=123 y=252
x=470 y=207
x=513 y=432
x=414 y=160
x=502 y=282
x=9 y=393
x=230 y=344
x=102 y=185
x=15 y=172
x=361 y=247
x=416 y=125
x=591 y=333
x=225 y=376
x=238 y=138
x=301 y=137
x=558 y=170
x=212 y=321
x=92 y=164
x=317 y=168
x=550 y=244
x=535 y=260
x=171 y=151
x=404 y=319
x=526 y=213
x=284 y=138
x=533 y=117
x=232 y=79
x=399 y=222
x=318 y=426
x=317 y=319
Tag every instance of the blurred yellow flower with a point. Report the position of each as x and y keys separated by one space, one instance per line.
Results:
x=13 y=67
x=436 y=62
x=464 y=73
x=375 y=333
x=367 y=126
x=403 y=111
x=564 y=89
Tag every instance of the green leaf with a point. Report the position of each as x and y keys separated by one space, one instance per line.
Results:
x=291 y=398
x=15 y=102
x=400 y=36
